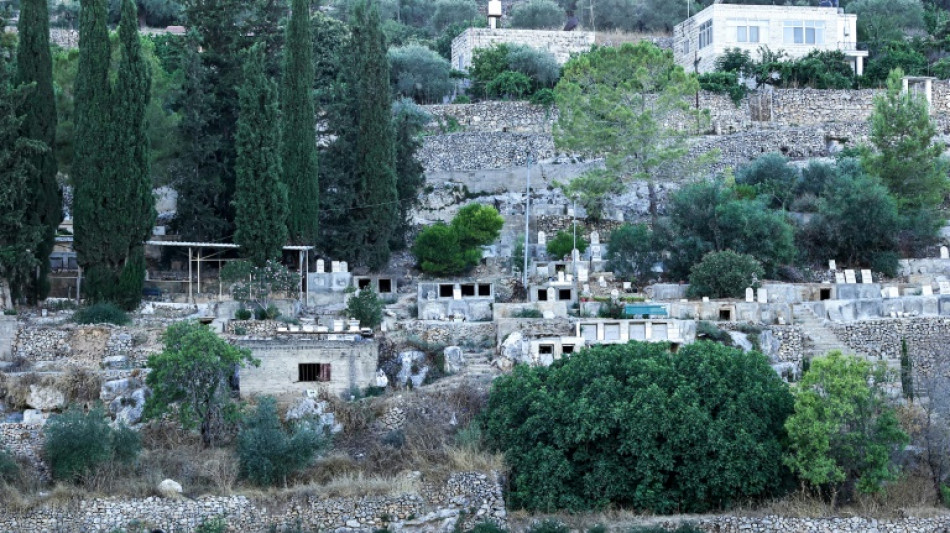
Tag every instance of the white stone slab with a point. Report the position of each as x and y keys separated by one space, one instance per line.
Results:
x=749 y=295
x=944 y=287
x=839 y=277
x=763 y=296
x=832 y=265
x=926 y=290
x=866 y=277
x=321 y=266
x=944 y=252
x=849 y=276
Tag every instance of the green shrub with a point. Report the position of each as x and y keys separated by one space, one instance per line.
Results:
x=540 y=66
x=77 y=442
x=269 y=453
x=509 y=85
x=632 y=253
x=487 y=527
x=9 y=469
x=945 y=495
x=724 y=275
x=537 y=15
x=687 y=432
x=420 y=73
x=724 y=83
x=242 y=314
x=477 y=225
x=709 y=331
x=213 y=525
x=438 y=252
x=548 y=526
x=544 y=97
x=101 y=313
x=462 y=99
x=562 y=244
x=9 y=312
x=366 y=307
x=527 y=313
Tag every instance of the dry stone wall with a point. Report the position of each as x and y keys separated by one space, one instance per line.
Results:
x=435 y=507
x=927 y=339
x=512 y=117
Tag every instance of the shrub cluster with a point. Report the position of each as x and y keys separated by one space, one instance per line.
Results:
x=513 y=71
x=453 y=248
x=101 y=313
x=78 y=441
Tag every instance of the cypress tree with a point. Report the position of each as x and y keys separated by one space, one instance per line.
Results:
x=409 y=120
x=260 y=197
x=19 y=235
x=35 y=66
x=114 y=210
x=299 y=147
x=376 y=214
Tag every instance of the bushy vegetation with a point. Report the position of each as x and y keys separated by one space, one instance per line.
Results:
x=632 y=253
x=724 y=274
x=101 y=313
x=563 y=243
x=268 y=452
x=512 y=71
x=537 y=15
x=640 y=427
x=420 y=73
x=366 y=307
x=454 y=248
x=76 y=442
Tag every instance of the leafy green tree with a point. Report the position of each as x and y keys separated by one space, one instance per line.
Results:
x=504 y=69
x=724 y=274
x=154 y=13
x=886 y=20
x=618 y=102
x=539 y=65
x=331 y=38
x=437 y=251
x=366 y=307
x=591 y=190
x=260 y=201
x=299 y=144
x=258 y=285
x=409 y=121
x=509 y=86
x=268 y=452
x=420 y=73
x=632 y=253
x=843 y=432
x=637 y=426
x=537 y=15
x=114 y=208
x=9 y=469
x=772 y=177
x=563 y=243
x=448 y=12
x=907 y=158
x=477 y=225
x=34 y=65
x=895 y=55
x=190 y=379
x=20 y=236
x=77 y=442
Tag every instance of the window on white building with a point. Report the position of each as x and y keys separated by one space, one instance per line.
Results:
x=747 y=34
x=705 y=34
x=804 y=32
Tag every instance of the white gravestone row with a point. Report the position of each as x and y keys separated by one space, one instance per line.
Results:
x=832 y=265
x=839 y=277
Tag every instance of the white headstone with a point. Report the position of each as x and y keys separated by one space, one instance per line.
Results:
x=552 y=294
x=457 y=293
x=627 y=286
x=560 y=276
x=839 y=277
x=705 y=299
x=849 y=276
x=926 y=290
x=570 y=278
x=587 y=288
x=763 y=296
x=944 y=287
x=866 y=276
x=334 y=267
x=614 y=294
x=344 y=266
x=583 y=275
x=595 y=237
x=596 y=252
x=944 y=253
x=749 y=295
x=337 y=325
x=601 y=281
x=893 y=292
x=321 y=266
x=832 y=265
x=542 y=239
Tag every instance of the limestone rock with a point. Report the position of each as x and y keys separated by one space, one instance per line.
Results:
x=169 y=489
x=45 y=398
x=115 y=388
x=454 y=360
x=305 y=408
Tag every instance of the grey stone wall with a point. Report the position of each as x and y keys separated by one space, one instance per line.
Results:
x=927 y=339
x=484 y=150
x=434 y=507
x=561 y=44
x=451 y=333
x=23 y=440
x=512 y=117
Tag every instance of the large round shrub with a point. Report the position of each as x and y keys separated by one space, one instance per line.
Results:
x=419 y=73
x=537 y=15
x=639 y=427
x=724 y=274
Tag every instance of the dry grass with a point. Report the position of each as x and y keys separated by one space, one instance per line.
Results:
x=80 y=385
x=16 y=389
x=344 y=486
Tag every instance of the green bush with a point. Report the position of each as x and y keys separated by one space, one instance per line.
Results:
x=548 y=526
x=212 y=525
x=539 y=65
x=709 y=331
x=366 y=307
x=477 y=225
x=638 y=427
x=772 y=177
x=632 y=253
x=462 y=99
x=537 y=15
x=419 y=73
x=563 y=243
x=527 y=313
x=101 y=313
x=77 y=442
x=724 y=275
x=945 y=495
x=450 y=12
x=269 y=453
x=544 y=97
x=509 y=85
x=9 y=469
x=242 y=314
x=724 y=83
x=438 y=252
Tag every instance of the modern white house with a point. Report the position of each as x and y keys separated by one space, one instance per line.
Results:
x=796 y=30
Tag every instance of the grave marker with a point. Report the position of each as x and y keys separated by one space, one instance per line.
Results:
x=849 y=276
x=763 y=296
x=832 y=265
x=321 y=266
x=839 y=277
x=866 y=277
x=926 y=290
x=749 y=295
x=944 y=252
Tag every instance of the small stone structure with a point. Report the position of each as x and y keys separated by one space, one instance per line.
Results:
x=294 y=366
x=561 y=44
x=457 y=300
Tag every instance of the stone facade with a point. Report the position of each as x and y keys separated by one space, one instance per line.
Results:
x=436 y=507
x=294 y=366
x=561 y=44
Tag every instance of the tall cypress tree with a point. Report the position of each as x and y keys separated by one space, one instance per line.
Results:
x=376 y=213
x=299 y=147
x=114 y=209
x=35 y=66
x=260 y=197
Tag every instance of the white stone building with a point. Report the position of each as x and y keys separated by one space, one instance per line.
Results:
x=701 y=39
x=561 y=44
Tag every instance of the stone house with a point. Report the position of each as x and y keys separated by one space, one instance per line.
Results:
x=561 y=44
x=796 y=30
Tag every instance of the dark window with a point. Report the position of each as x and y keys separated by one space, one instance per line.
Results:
x=542 y=295
x=484 y=289
x=546 y=349
x=824 y=294
x=560 y=268
x=313 y=372
x=468 y=290
x=445 y=291
x=363 y=283
x=385 y=285
x=567 y=348
x=725 y=314
x=564 y=294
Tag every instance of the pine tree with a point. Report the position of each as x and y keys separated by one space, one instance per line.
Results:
x=114 y=206
x=376 y=213
x=20 y=236
x=35 y=65
x=408 y=122
x=260 y=198
x=299 y=147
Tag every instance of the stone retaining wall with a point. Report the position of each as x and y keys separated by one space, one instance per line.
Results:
x=452 y=333
x=484 y=150
x=435 y=507
x=512 y=117
x=927 y=339
x=23 y=440
x=776 y=524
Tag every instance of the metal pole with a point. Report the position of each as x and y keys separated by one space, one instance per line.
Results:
x=527 y=220
x=574 y=216
x=199 y=271
x=191 y=297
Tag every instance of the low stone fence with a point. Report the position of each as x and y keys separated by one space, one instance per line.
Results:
x=927 y=339
x=475 y=496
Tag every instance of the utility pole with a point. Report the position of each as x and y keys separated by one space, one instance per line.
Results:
x=527 y=220
x=574 y=222
x=593 y=27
